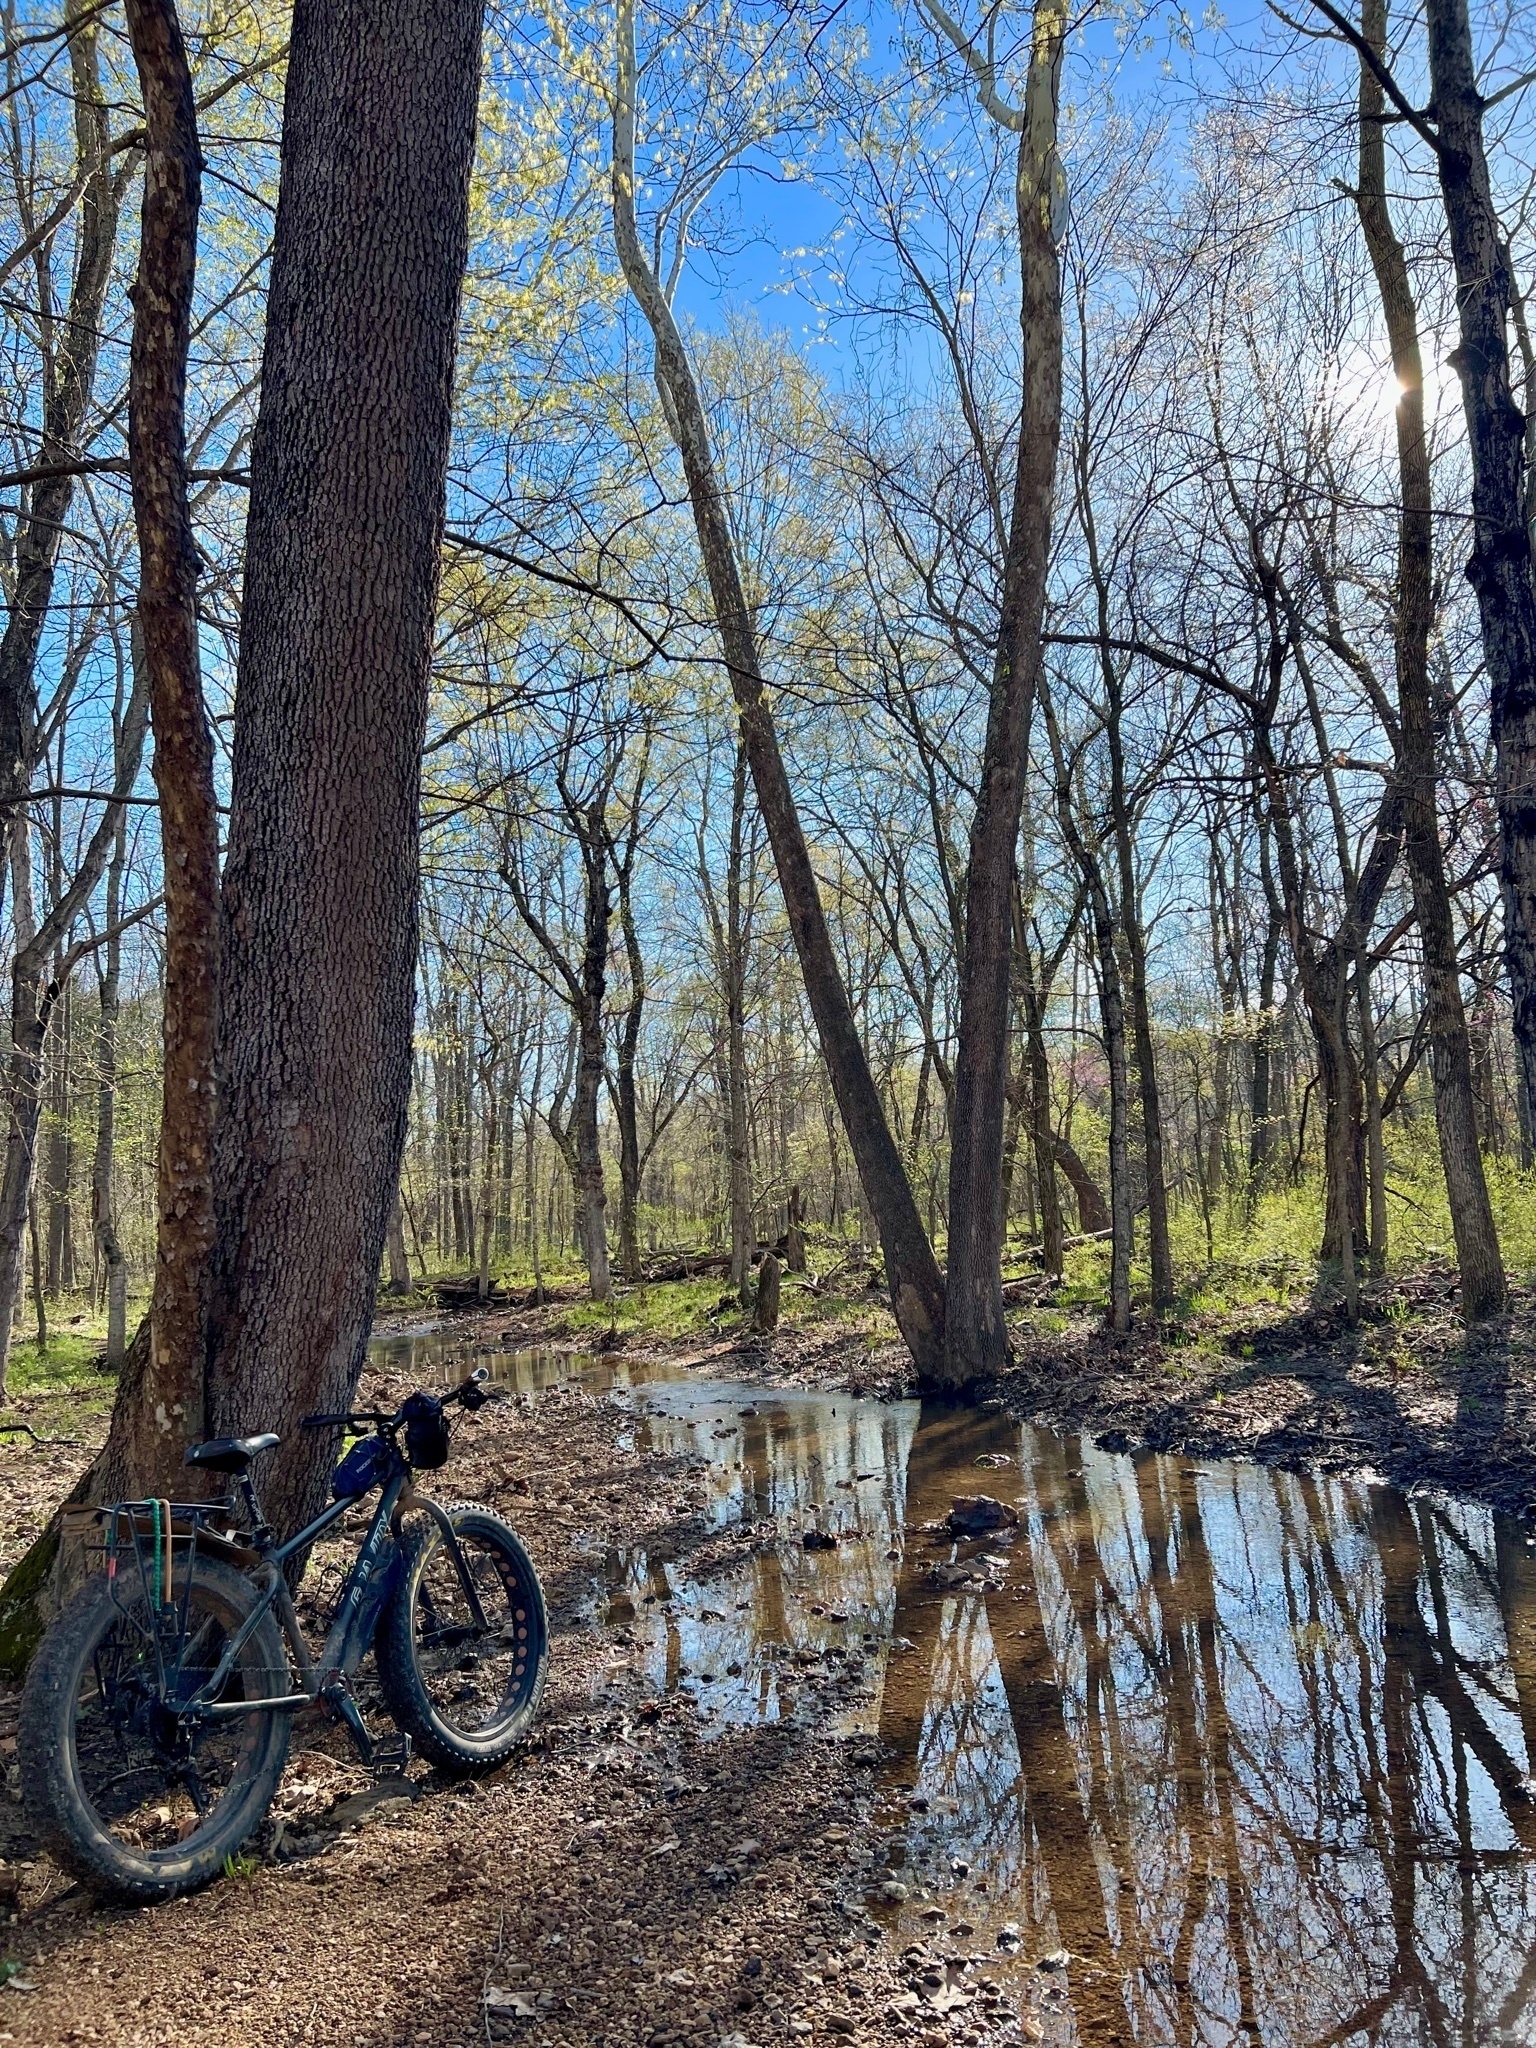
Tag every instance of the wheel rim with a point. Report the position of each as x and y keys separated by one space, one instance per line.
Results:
x=152 y=1782
x=476 y=1680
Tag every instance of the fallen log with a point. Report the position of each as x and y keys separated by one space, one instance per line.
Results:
x=687 y=1266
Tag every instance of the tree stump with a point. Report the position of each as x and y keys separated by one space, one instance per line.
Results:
x=765 y=1314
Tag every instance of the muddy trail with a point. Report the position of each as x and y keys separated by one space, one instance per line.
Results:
x=1123 y=1748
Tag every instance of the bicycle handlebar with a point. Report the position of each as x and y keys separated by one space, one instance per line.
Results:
x=470 y=1393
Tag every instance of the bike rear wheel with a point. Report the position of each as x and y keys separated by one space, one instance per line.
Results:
x=127 y=1795
x=465 y=1691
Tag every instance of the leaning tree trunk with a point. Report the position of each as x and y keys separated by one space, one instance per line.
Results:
x=1501 y=570
x=1477 y=1243
x=348 y=470
x=912 y=1273
x=975 y=1339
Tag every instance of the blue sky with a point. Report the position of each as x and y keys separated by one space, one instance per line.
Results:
x=776 y=221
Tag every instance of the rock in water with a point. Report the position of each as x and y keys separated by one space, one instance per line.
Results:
x=972 y=1514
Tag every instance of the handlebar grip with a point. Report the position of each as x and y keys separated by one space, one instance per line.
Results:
x=323 y=1421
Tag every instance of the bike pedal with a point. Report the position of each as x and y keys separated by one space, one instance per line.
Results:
x=391 y=1756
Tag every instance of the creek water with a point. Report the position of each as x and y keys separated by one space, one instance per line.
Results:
x=1211 y=1752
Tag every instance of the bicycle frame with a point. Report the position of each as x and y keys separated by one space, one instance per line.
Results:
x=370 y=1584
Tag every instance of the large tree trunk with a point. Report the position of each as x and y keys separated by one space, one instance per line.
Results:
x=912 y=1273
x=1501 y=569
x=975 y=1339
x=1477 y=1244
x=348 y=471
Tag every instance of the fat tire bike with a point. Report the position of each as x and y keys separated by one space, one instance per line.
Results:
x=157 y=1713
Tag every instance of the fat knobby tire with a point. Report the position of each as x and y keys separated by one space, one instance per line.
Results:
x=452 y=1750
x=56 y=1802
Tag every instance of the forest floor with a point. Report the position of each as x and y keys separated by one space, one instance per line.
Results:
x=624 y=1880
x=1409 y=1393
x=632 y=1878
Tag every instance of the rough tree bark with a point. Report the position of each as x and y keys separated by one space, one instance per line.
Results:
x=348 y=471
x=976 y=1342
x=912 y=1273
x=1501 y=571
x=1477 y=1243
x=150 y=1434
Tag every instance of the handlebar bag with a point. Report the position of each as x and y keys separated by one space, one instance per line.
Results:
x=426 y=1432
x=364 y=1465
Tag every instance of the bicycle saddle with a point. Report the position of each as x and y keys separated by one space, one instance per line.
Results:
x=230 y=1453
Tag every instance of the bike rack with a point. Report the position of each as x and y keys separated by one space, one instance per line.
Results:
x=149 y=1532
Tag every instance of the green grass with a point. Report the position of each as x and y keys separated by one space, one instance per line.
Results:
x=1271 y=1260
x=72 y=1361
x=665 y=1308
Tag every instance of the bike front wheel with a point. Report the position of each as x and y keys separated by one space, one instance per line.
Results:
x=128 y=1793
x=464 y=1686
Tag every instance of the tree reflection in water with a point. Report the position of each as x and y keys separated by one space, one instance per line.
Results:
x=1251 y=1745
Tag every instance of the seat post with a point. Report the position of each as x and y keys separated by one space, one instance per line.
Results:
x=261 y=1533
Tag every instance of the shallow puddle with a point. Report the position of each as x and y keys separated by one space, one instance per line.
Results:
x=1199 y=1752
